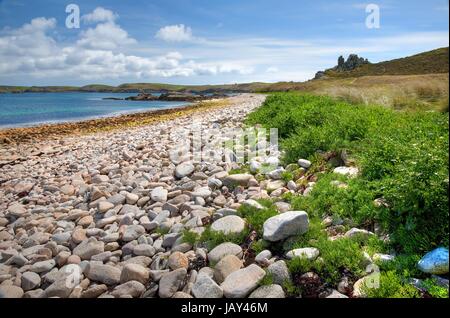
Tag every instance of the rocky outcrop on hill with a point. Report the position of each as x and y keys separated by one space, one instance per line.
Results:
x=353 y=61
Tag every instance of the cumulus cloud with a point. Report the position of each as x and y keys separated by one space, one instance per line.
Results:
x=96 y=54
x=100 y=15
x=30 y=39
x=105 y=36
x=175 y=33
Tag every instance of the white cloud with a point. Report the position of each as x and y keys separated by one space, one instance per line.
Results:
x=175 y=33
x=105 y=36
x=100 y=15
x=272 y=69
x=29 y=51
x=30 y=39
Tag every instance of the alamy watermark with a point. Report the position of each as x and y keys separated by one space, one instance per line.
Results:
x=73 y=17
x=200 y=143
x=373 y=17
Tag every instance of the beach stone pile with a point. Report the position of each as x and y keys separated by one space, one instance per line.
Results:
x=103 y=215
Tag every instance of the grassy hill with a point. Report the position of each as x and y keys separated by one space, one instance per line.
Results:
x=431 y=62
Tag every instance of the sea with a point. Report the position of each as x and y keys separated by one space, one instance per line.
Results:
x=33 y=109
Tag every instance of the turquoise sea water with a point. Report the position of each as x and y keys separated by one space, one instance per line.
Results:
x=31 y=109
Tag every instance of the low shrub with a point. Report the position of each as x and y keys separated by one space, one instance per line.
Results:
x=392 y=285
x=255 y=217
x=402 y=156
x=335 y=257
x=434 y=289
x=190 y=237
x=211 y=238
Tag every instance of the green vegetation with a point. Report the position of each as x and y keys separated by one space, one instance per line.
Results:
x=404 y=265
x=190 y=237
x=267 y=280
x=255 y=217
x=410 y=92
x=287 y=176
x=435 y=291
x=392 y=285
x=211 y=238
x=354 y=201
x=260 y=246
x=335 y=256
x=403 y=158
x=240 y=170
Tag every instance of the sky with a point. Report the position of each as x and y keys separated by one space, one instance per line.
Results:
x=205 y=41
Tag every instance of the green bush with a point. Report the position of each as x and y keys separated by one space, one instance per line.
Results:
x=190 y=237
x=287 y=176
x=404 y=265
x=211 y=238
x=335 y=256
x=392 y=286
x=267 y=280
x=256 y=218
x=403 y=158
x=355 y=201
x=435 y=290
x=315 y=232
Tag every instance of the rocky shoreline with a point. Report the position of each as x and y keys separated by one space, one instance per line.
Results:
x=111 y=206
x=11 y=137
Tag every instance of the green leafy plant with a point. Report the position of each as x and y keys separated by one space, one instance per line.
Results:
x=190 y=237
x=267 y=280
x=286 y=176
x=391 y=285
x=435 y=290
x=256 y=217
x=212 y=238
x=335 y=256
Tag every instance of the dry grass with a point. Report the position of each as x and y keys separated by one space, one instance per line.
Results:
x=403 y=92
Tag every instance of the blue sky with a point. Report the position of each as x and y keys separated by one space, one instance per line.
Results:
x=204 y=41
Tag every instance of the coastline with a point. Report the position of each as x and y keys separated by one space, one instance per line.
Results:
x=18 y=135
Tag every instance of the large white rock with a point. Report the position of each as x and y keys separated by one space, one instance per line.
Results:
x=203 y=192
x=159 y=194
x=347 y=171
x=268 y=291
x=310 y=253
x=184 y=169
x=237 y=180
x=284 y=225
x=304 y=163
x=206 y=287
x=222 y=250
x=231 y=224
x=241 y=283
